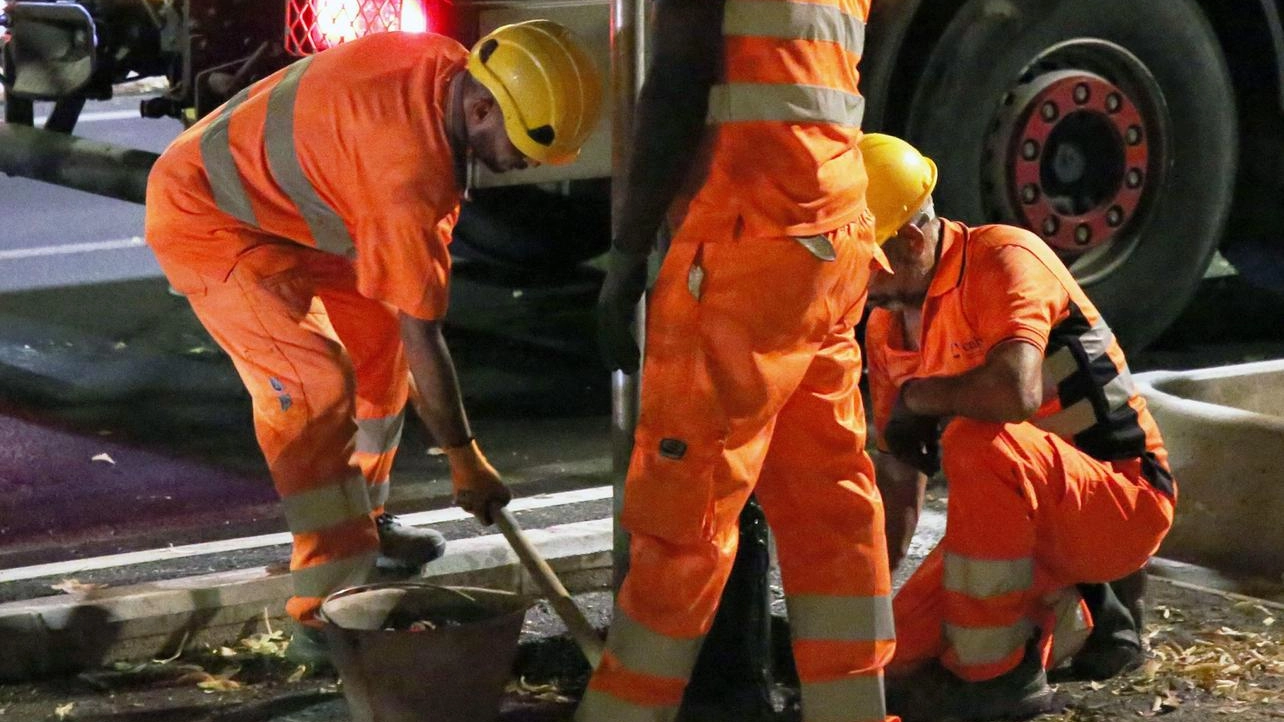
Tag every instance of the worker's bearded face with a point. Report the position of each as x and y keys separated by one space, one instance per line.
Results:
x=489 y=141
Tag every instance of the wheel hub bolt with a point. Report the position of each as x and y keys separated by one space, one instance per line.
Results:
x=1030 y=193
x=1081 y=93
x=1114 y=216
x=1050 y=226
x=1049 y=111
x=1133 y=178
x=1030 y=150
x=1082 y=234
x=1133 y=135
x=1113 y=102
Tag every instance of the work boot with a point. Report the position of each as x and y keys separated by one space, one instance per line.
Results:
x=308 y=647
x=406 y=548
x=1114 y=646
x=935 y=694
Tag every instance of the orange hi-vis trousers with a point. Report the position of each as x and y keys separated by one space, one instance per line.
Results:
x=1029 y=516
x=750 y=385
x=326 y=371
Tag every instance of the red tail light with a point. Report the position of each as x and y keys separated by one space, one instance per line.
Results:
x=314 y=25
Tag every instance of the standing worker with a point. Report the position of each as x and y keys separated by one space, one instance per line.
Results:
x=750 y=378
x=1058 y=475
x=307 y=221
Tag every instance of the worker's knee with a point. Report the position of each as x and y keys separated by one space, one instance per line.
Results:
x=968 y=444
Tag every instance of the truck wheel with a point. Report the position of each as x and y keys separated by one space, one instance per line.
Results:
x=1107 y=128
x=527 y=229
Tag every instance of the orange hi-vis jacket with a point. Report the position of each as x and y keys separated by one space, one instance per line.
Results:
x=785 y=118
x=345 y=151
x=998 y=283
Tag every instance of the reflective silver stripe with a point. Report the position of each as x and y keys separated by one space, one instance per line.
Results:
x=1059 y=366
x=987 y=645
x=742 y=102
x=381 y=435
x=986 y=578
x=379 y=494
x=851 y=699
x=278 y=138
x=323 y=579
x=1072 y=626
x=1067 y=422
x=1097 y=340
x=1119 y=390
x=220 y=166
x=844 y=619
x=598 y=706
x=327 y=506
x=646 y=652
x=794 y=21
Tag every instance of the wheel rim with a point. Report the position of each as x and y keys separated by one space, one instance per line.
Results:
x=1076 y=153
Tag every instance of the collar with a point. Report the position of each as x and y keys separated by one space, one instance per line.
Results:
x=952 y=257
x=457 y=136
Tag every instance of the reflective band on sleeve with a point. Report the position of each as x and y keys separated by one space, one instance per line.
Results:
x=1060 y=365
x=381 y=435
x=327 y=506
x=851 y=699
x=598 y=706
x=1097 y=340
x=220 y=166
x=1120 y=389
x=324 y=579
x=1069 y=421
x=379 y=494
x=278 y=137
x=646 y=652
x=794 y=21
x=986 y=578
x=844 y=619
x=987 y=645
x=745 y=102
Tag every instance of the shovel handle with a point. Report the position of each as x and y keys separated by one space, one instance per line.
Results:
x=585 y=636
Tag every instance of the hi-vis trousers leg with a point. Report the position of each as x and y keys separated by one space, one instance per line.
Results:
x=750 y=385
x=1029 y=516
x=327 y=375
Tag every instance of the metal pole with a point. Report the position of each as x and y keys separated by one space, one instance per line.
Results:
x=88 y=165
x=627 y=57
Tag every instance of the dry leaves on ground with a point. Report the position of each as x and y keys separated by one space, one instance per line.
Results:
x=542 y=692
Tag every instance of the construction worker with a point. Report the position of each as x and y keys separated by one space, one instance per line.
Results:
x=307 y=221
x=1057 y=472
x=749 y=384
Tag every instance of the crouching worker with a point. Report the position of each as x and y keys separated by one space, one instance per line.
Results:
x=307 y=222
x=1058 y=483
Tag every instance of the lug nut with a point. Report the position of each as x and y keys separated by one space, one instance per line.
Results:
x=1113 y=102
x=1050 y=226
x=1133 y=135
x=1082 y=234
x=1030 y=193
x=1133 y=179
x=1114 y=216
x=1049 y=111
x=1030 y=149
x=1081 y=93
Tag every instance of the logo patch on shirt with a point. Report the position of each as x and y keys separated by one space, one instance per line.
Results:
x=971 y=347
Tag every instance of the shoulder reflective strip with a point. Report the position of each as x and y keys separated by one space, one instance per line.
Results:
x=844 y=619
x=1069 y=421
x=986 y=578
x=324 y=579
x=379 y=494
x=278 y=137
x=987 y=645
x=851 y=699
x=794 y=21
x=327 y=506
x=381 y=435
x=598 y=706
x=646 y=652
x=744 y=102
x=220 y=166
x=1059 y=366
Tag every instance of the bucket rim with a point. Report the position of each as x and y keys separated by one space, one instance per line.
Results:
x=526 y=600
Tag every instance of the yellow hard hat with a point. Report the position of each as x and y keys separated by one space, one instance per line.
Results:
x=900 y=181
x=545 y=83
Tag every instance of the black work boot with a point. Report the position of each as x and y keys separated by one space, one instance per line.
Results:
x=935 y=694
x=1114 y=646
x=406 y=548
x=308 y=647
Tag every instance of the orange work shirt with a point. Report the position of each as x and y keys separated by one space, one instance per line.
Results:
x=999 y=283
x=368 y=126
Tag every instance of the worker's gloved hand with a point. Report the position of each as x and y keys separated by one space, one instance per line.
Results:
x=477 y=484
x=623 y=288
x=913 y=438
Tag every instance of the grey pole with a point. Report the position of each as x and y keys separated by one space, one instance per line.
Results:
x=88 y=165
x=627 y=60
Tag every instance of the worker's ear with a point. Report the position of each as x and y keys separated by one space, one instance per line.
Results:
x=482 y=109
x=914 y=237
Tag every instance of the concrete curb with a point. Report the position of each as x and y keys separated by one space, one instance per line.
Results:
x=61 y=634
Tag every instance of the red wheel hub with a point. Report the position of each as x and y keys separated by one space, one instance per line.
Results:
x=1077 y=160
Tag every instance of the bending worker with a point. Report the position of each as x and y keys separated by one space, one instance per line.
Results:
x=749 y=383
x=1057 y=472
x=307 y=221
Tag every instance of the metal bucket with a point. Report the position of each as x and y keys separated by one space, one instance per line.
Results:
x=454 y=672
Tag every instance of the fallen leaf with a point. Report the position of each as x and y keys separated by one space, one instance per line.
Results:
x=75 y=586
x=105 y=458
x=220 y=683
x=63 y=711
x=298 y=674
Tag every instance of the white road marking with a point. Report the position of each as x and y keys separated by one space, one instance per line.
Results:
x=68 y=249
x=436 y=516
x=98 y=117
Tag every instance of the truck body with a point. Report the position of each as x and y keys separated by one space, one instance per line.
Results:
x=1129 y=136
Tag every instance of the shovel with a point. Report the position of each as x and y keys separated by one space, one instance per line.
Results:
x=582 y=632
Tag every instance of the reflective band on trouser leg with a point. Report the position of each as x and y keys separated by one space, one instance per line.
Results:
x=1070 y=623
x=989 y=544
x=830 y=628
x=377 y=442
x=642 y=675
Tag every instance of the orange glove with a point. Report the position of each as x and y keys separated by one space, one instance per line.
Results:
x=477 y=485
